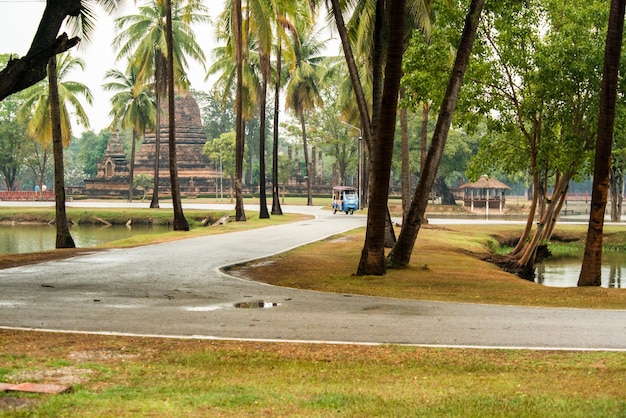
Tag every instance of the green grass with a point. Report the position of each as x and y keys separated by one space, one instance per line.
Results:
x=138 y=377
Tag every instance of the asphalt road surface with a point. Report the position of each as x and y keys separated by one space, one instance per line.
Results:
x=177 y=290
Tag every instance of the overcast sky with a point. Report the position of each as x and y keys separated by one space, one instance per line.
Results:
x=18 y=23
x=19 y=20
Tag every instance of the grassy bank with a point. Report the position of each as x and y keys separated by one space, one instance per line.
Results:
x=200 y=222
x=447 y=265
x=134 y=377
x=137 y=377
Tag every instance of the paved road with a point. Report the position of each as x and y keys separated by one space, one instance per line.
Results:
x=176 y=289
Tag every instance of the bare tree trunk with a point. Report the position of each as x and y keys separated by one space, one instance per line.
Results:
x=400 y=255
x=372 y=260
x=265 y=69
x=276 y=209
x=590 y=274
x=406 y=170
x=180 y=222
x=240 y=214
x=63 y=237
x=309 y=194
x=154 y=203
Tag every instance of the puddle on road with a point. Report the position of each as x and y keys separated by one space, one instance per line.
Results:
x=255 y=304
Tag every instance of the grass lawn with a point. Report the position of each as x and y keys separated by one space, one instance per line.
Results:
x=122 y=376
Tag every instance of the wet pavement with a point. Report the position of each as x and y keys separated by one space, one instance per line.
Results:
x=177 y=290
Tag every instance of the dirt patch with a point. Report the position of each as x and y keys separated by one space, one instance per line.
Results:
x=10 y=403
x=68 y=375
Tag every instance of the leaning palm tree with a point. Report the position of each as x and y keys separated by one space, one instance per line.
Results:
x=133 y=108
x=142 y=38
x=236 y=63
x=49 y=110
x=303 y=88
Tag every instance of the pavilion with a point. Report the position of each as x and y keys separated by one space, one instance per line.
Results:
x=487 y=193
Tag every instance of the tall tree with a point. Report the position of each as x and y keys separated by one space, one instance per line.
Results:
x=400 y=255
x=237 y=29
x=590 y=274
x=142 y=38
x=63 y=237
x=49 y=120
x=133 y=108
x=303 y=92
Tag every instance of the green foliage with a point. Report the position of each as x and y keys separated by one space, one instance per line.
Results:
x=91 y=148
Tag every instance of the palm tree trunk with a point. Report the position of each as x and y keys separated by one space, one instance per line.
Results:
x=353 y=71
x=157 y=153
x=63 y=236
x=180 y=222
x=590 y=274
x=372 y=260
x=406 y=171
x=131 y=173
x=309 y=194
x=265 y=64
x=276 y=209
x=400 y=255
x=240 y=215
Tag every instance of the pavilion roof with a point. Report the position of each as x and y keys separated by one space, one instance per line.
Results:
x=485 y=182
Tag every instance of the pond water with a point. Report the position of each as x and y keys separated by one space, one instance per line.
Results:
x=564 y=271
x=33 y=238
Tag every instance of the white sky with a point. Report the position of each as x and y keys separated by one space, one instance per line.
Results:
x=19 y=20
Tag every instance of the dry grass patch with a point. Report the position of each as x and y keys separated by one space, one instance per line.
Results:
x=446 y=265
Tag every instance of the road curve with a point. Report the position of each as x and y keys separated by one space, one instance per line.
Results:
x=177 y=290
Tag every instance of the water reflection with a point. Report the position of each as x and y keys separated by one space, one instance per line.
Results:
x=564 y=271
x=33 y=238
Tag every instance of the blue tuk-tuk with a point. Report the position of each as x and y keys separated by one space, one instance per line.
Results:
x=345 y=199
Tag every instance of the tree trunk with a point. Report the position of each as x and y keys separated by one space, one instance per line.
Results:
x=440 y=186
x=372 y=260
x=424 y=135
x=353 y=71
x=180 y=222
x=240 y=214
x=406 y=170
x=616 y=182
x=157 y=153
x=63 y=236
x=276 y=209
x=400 y=255
x=265 y=69
x=309 y=194
x=590 y=274
x=131 y=173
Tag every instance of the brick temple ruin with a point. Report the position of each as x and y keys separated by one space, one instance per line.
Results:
x=196 y=173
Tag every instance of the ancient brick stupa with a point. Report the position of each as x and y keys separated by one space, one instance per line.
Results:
x=195 y=172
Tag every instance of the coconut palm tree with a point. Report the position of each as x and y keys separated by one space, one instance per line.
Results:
x=304 y=85
x=142 y=38
x=590 y=274
x=133 y=108
x=49 y=110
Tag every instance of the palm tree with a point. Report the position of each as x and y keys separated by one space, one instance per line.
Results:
x=142 y=38
x=303 y=88
x=49 y=111
x=400 y=255
x=590 y=274
x=133 y=107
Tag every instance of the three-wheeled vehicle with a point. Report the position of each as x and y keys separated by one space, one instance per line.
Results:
x=345 y=199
